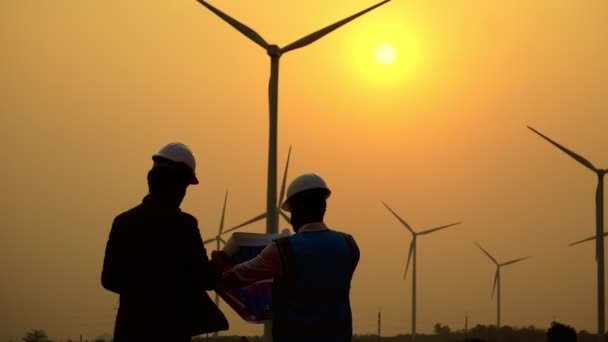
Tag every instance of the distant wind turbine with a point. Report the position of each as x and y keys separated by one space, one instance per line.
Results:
x=263 y=215
x=412 y=255
x=599 y=229
x=275 y=52
x=496 y=286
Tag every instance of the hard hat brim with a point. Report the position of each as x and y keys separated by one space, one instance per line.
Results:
x=161 y=161
x=194 y=180
x=285 y=205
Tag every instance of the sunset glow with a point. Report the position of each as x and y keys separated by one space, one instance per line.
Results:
x=422 y=105
x=385 y=54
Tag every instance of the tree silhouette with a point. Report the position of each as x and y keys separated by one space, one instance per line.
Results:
x=35 y=335
x=442 y=330
x=561 y=333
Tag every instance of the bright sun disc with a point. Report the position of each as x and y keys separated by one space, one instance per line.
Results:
x=385 y=54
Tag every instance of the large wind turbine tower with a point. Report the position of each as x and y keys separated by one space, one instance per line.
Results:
x=275 y=52
x=599 y=229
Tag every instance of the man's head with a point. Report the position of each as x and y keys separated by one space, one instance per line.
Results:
x=173 y=170
x=177 y=155
x=306 y=199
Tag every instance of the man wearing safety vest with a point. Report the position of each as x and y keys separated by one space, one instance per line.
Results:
x=312 y=270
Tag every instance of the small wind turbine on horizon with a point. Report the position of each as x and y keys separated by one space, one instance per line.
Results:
x=412 y=256
x=599 y=229
x=275 y=53
x=496 y=286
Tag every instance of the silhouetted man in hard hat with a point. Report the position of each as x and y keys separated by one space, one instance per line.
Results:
x=312 y=270
x=156 y=262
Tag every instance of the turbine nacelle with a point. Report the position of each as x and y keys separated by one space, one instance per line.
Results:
x=274 y=51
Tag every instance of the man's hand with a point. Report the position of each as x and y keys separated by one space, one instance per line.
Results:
x=220 y=258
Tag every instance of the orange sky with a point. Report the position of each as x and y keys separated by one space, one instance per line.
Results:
x=90 y=90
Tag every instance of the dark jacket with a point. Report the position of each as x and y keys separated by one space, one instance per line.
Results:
x=156 y=262
x=311 y=299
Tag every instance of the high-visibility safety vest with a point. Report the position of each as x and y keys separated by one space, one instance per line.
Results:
x=310 y=302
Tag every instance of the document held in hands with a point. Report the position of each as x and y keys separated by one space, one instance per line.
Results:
x=254 y=302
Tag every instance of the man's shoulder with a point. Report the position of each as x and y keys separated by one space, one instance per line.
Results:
x=188 y=218
x=133 y=212
x=346 y=235
x=139 y=212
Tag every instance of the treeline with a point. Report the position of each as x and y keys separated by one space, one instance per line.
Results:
x=558 y=332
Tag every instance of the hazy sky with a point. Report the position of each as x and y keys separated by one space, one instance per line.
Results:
x=90 y=90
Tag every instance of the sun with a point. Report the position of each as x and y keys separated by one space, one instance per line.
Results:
x=385 y=54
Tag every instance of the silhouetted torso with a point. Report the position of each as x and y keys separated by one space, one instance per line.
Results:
x=156 y=261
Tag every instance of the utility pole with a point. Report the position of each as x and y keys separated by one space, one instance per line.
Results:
x=466 y=325
x=379 y=322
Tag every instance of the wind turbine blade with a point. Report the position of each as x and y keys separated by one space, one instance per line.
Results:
x=244 y=29
x=222 y=240
x=282 y=195
x=488 y=254
x=587 y=239
x=409 y=256
x=495 y=281
x=578 y=158
x=223 y=214
x=255 y=219
x=285 y=217
x=209 y=240
x=399 y=218
x=514 y=261
x=324 y=31
x=438 y=228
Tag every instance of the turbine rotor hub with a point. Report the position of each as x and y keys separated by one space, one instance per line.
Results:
x=273 y=51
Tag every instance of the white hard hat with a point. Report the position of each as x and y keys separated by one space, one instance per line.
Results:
x=177 y=153
x=303 y=182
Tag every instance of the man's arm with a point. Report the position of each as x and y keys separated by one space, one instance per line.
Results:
x=354 y=250
x=110 y=275
x=265 y=265
x=206 y=273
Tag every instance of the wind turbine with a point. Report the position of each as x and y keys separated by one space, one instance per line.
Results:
x=599 y=229
x=496 y=286
x=275 y=52
x=278 y=207
x=411 y=253
x=218 y=239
